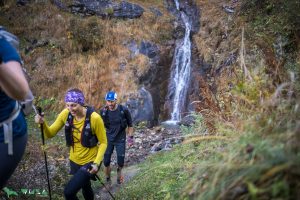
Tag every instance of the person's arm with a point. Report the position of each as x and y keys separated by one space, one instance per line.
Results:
x=51 y=131
x=99 y=130
x=129 y=122
x=130 y=131
x=12 y=79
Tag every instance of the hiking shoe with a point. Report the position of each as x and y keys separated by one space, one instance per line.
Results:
x=108 y=180
x=120 y=180
x=108 y=185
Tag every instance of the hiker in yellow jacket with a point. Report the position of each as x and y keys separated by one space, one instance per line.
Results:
x=86 y=136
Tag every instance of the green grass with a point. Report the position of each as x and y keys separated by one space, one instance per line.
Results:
x=217 y=169
x=165 y=174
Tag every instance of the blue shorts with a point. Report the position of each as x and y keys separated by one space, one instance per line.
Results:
x=120 y=149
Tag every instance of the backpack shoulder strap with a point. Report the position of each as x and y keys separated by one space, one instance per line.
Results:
x=89 y=112
x=70 y=118
x=104 y=116
x=103 y=111
x=68 y=130
x=88 y=138
x=122 y=111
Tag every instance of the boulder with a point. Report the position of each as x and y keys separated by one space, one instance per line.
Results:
x=106 y=8
x=141 y=107
x=149 y=49
x=127 y=10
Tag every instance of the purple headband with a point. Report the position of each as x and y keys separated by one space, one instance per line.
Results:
x=75 y=97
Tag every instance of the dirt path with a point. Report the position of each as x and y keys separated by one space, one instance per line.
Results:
x=147 y=142
x=128 y=173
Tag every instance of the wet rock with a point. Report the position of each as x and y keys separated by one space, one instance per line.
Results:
x=106 y=9
x=146 y=48
x=141 y=107
x=167 y=145
x=60 y=5
x=190 y=9
x=188 y=120
x=156 y=11
x=127 y=10
x=149 y=49
x=91 y=7
x=133 y=47
x=149 y=141
x=179 y=30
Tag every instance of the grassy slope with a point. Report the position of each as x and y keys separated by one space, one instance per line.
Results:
x=61 y=62
x=254 y=152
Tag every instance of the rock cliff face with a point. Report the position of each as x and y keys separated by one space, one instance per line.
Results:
x=132 y=56
x=103 y=8
x=156 y=80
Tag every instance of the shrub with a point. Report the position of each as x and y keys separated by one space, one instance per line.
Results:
x=87 y=34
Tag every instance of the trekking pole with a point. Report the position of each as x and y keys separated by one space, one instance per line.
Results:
x=45 y=156
x=105 y=187
x=112 y=196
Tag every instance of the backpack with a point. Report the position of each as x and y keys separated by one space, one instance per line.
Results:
x=87 y=138
x=105 y=117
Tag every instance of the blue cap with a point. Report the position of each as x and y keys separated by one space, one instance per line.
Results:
x=111 y=96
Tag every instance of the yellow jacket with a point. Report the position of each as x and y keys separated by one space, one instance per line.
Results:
x=79 y=154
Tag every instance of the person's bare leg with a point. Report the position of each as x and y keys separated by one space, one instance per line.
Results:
x=107 y=171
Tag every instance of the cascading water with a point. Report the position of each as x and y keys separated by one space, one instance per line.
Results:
x=181 y=69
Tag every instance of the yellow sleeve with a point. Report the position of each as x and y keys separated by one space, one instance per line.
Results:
x=51 y=131
x=98 y=129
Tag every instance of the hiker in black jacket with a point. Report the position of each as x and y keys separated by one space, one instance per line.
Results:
x=116 y=119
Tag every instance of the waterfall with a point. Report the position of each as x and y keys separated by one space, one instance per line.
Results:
x=181 y=68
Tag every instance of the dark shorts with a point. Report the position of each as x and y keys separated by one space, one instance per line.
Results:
x=120 y=149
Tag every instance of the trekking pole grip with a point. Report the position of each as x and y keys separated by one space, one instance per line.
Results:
x=39 y=110
x=42 y=129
